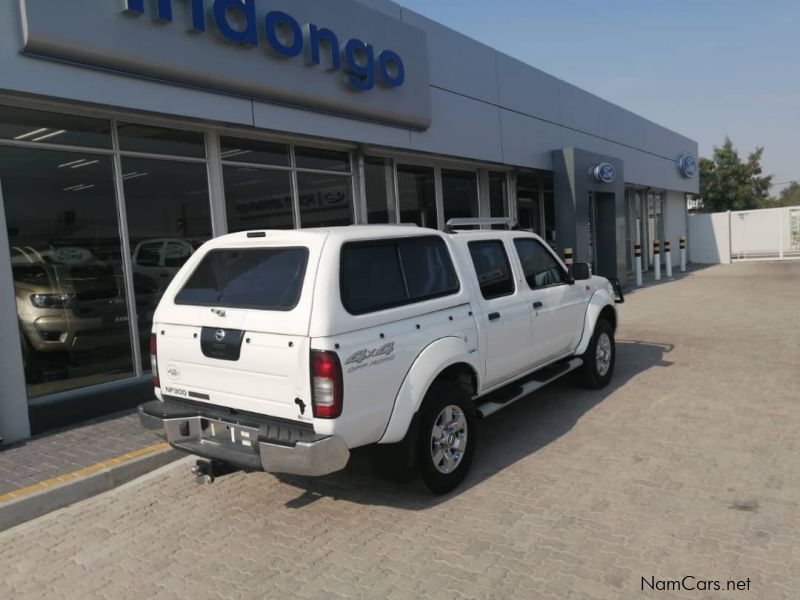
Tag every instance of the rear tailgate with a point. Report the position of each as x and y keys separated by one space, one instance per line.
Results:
x=247 y=349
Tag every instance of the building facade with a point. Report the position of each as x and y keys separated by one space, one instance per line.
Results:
x=132 y=131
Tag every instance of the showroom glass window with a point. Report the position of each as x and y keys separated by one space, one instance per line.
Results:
x=417 y=189
x=258 y=184
x=168 y=213
x=379 y=187
x=259 y=190
x=459 y=194
x=549 y=208
x=324 y=187
x=61 y=213
x=498 y=196
x=529 y=211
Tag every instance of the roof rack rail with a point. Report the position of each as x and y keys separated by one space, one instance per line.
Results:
x=452 y=225
x=386 y=224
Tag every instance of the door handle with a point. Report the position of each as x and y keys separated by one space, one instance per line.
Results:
x=494 y=316
x=537 y=305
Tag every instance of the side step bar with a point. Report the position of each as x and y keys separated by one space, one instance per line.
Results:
x=530 y=385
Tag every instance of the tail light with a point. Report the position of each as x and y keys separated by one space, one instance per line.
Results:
x=154 y=359
x=326 y=384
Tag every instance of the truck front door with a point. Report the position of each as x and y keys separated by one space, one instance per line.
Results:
x=506 y=313
x=558 y=304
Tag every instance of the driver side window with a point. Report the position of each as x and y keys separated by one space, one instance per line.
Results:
x=541 y=269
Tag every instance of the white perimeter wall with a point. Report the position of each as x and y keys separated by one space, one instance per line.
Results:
x=709 y=238
x=744 y=235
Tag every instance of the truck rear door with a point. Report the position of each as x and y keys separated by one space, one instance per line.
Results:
x=232 y=330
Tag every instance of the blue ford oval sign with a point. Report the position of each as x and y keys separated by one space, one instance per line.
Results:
x=688 y=165
x=605 y=173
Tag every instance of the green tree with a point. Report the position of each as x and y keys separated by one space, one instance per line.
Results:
x=789 y=196
x=729 y=183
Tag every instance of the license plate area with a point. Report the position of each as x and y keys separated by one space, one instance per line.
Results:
x=228 y=434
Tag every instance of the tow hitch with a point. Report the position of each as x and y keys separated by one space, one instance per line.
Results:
x=206 y=471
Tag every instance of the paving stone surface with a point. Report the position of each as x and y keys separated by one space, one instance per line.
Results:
x=62 y=452
x=688 y=465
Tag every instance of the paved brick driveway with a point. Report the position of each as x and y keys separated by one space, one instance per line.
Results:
x=688 y=465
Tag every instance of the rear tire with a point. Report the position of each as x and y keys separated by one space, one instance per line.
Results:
x=398 y=462
x=599 y=358
x=447 y=438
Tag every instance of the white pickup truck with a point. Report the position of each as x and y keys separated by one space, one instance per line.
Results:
x=284 y=350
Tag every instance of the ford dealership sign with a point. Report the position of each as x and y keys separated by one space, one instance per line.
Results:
x=236 y=21
x=688 y=166
x=338 y=57
x=605 y=173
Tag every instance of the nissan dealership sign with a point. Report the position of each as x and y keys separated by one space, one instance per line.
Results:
x=338 y=57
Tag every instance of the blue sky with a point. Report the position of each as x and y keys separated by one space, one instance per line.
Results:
x=704 y=68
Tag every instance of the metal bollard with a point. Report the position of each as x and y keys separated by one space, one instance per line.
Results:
x=657 y=260
x=637 y=251
x=668 y=256
x=683 y=254
x=568 y=257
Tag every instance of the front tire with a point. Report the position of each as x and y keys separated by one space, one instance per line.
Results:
x=599 y=358
x=448 y=435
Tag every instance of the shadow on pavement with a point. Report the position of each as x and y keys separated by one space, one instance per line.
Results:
x=648 y=278
x=505 y=438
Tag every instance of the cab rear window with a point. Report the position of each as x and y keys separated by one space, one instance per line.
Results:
x=258 y=278
x=381 y=274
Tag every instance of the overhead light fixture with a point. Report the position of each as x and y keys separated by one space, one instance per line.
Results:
x=78 y=188
x=69 y=164
x=85 y=164
x=236 y=152
x=49 y=135
x=25 y=136
x=134 y=175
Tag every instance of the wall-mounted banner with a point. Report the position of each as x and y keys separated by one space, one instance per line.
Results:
x=605 y=173
x=339 y=57
x=687 y=165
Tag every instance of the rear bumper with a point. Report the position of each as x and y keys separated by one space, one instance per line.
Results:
x=248 y=441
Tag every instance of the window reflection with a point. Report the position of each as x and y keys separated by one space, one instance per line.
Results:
x=35 y=126
x=134 y=137
x=323 y=160
x=379 y=186
x=325 y=200
x=459 y=194
x=66 y=263
x=417 y=195
x=529 y=202
x=168 y=213
x=257 y=199
x=254 y=151
x=498 y=196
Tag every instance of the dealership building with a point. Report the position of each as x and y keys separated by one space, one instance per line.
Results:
x=131 y=131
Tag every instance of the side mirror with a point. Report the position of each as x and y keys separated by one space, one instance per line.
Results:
x=581 y=271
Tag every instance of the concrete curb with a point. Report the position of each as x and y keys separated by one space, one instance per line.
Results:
x=25 y=508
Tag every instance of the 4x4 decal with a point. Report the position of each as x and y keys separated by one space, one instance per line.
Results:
x=386 y=352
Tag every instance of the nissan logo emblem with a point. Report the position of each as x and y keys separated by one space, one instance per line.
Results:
x=219 y=335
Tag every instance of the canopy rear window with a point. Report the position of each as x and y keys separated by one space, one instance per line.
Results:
x=258 y=278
